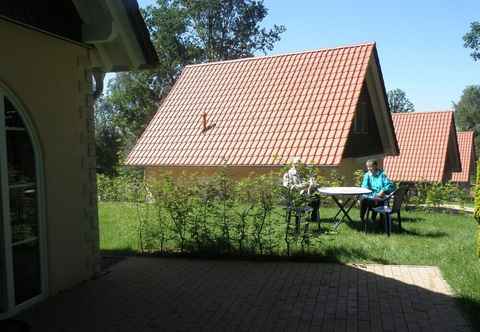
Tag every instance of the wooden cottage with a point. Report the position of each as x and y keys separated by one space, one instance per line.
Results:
x=327 y=107
x=466 y=146
x=428 y=148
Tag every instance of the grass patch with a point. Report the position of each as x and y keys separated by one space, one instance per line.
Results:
x=429 y=238
x=118 y=227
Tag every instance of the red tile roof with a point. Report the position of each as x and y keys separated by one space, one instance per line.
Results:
x=260 y=111
x=467 y=156
x=425 y=141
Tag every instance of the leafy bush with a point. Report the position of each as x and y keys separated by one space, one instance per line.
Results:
x=477 y=207
x=358 y=177
x=216 y=215
x=120 y=189
x=437 y=194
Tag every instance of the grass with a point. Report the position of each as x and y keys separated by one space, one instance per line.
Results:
x=470 y=204
x=118 y=227
x=443 y=240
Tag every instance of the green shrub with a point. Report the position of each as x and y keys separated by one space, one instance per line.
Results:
x=437 y=194
x=358 y=177
x=120 y=189
x=477 y=207
x=216 y=215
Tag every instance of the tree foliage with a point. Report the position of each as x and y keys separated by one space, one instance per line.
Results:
x=398 y=102
x=107 y=138
x=183 y=32
x=467 y=112
x=472 y=40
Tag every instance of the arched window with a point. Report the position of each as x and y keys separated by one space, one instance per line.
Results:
x=22 y=278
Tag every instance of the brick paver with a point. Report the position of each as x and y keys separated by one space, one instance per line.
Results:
x=166 y=294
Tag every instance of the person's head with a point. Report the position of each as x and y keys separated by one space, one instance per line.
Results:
x=295 y=161
x=372 y=166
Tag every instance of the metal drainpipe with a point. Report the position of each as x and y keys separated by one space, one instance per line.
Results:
x=98 y=76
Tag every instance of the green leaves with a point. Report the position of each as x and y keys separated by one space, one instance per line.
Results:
x=472 y=40
x=398 y=102
x=230 y=29
x=477 y=207
x=467 y=112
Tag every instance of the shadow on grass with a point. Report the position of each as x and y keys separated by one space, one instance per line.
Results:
x=434 y=234
x=411 y=220
x=378 y=227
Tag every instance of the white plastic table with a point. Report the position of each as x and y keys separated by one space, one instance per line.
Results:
x=351 y=194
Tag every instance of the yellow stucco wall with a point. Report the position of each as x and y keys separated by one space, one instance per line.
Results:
x=346 y=168
x=46 y=74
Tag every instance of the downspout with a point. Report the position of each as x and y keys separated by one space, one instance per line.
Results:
x=98 y=76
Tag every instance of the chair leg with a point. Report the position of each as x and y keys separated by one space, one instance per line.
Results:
x=368 y=216
x=388 y=221
x=385 y=223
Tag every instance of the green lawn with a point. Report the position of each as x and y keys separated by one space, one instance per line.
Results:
x=470 y=204
x=444 y=240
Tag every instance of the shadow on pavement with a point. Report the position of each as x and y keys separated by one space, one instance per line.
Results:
x=151 y=294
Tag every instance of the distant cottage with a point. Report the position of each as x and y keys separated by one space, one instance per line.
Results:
x=428 y=145
x=327 y=107
x=466 y=145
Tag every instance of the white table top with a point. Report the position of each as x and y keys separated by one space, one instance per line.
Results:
x=344 y=190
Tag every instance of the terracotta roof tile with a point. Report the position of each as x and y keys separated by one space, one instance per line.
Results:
x=467 y=156
x=293 y=105
x=423 y=139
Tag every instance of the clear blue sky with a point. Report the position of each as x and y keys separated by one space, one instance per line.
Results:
x=419 y=42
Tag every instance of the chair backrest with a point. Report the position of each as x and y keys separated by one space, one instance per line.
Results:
x=398 y=198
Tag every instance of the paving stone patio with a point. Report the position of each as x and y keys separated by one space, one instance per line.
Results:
x=167 y=294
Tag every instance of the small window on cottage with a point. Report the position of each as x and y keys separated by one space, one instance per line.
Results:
x=360 y=125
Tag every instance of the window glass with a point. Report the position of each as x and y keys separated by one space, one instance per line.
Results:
x=20 y=158
x=23 y=213
x=12 y=118
x=23 y=209
x=360 y=125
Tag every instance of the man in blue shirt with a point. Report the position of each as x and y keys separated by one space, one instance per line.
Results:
x=380 y=185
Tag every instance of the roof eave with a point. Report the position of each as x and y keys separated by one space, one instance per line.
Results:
x=455 y=154
x=391 y=147
x=118 y=33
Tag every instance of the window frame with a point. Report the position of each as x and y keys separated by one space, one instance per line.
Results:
x=9 y=306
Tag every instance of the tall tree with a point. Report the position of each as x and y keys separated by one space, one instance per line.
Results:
x=185 y=32
x=229 y=29
x=467 y=112
x=107 y=139
x=472 y=40
x=398 y=102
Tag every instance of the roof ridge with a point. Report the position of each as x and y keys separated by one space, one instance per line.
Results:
x=421 y=112
x=252 y=58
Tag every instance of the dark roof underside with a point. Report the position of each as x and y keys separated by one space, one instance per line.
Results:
x=55 y=16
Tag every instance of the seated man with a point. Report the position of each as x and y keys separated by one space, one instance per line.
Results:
x=293 y=180
x=380 y=185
